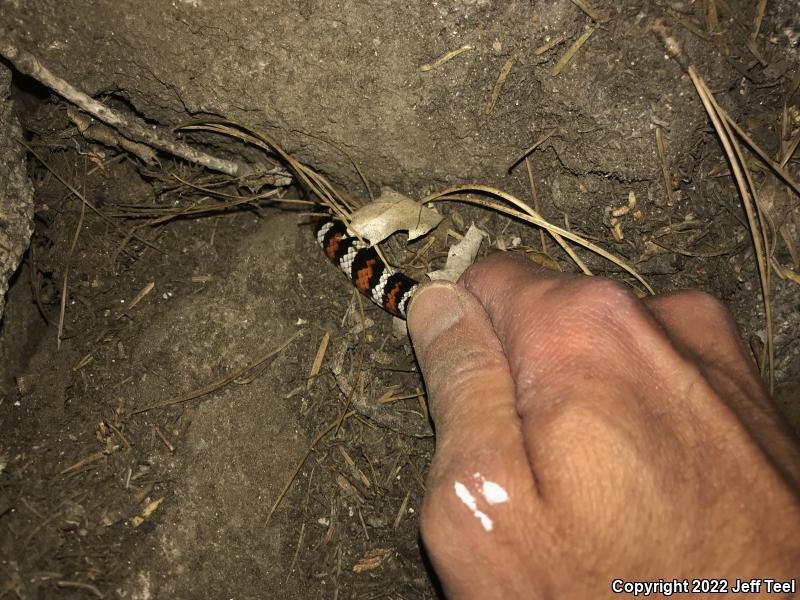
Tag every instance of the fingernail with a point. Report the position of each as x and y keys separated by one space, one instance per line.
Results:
x=434 y=309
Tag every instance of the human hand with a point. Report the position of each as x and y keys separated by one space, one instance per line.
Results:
x=584 y=436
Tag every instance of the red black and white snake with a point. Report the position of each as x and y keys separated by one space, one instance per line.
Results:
x=388 y=288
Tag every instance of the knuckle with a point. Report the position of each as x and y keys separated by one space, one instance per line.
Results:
x=484 y=275
x=478 y=273
x=603 y=295
x=590 y=307
x=703 y=303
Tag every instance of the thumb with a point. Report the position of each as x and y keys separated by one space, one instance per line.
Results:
x=478 y=443
x=462 y=361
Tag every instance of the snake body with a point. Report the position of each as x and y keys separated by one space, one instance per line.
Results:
x=388 y=288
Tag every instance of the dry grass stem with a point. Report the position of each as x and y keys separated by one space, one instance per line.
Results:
x=388 y=394
x=401 y=512
x=752 y=40
x=688 y=25
x=571 y=51
x=763 y=156
x=341 y=149
x=142 y=293
x=790 y=149
x=62 y=309
x=498 y=86
x=88 y=204
x=535 y=200
x=83 y=362
x=706 y=254
x=92 y=458
x=749 y=200
x=354 y=470
x=316 y=183
x=320 y=356
x=712 y=22
x=65 y=282
x=341 y=206
x=559 y=240
x=297 y=549
x=422 y=398
x=163 y=438
x=389 y=398
x=790 y=245
x=356 y=385
x=546 y=47
x=86 y=587
x=787 y=273
x=120 y=436
x=525 y=213
x=445 y=57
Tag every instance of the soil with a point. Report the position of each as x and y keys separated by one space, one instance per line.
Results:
x=140 y=457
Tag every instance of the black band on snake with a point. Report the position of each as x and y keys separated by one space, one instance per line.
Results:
x=388 y=288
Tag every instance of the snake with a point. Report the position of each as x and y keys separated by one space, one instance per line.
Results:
x=384 y=285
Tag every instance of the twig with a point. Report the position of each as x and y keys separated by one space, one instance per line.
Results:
x=662 y=159
x=531 y=148
x=321 y=434
x=108 y=137
x=132 y=128
x=215 y=385
x=92 y=458
x=65 y=284
x=591 y=12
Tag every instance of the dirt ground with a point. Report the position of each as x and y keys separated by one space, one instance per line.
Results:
x=163 y=429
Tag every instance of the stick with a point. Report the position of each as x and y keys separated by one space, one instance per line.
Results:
x=220 y=383
x=131 y=128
